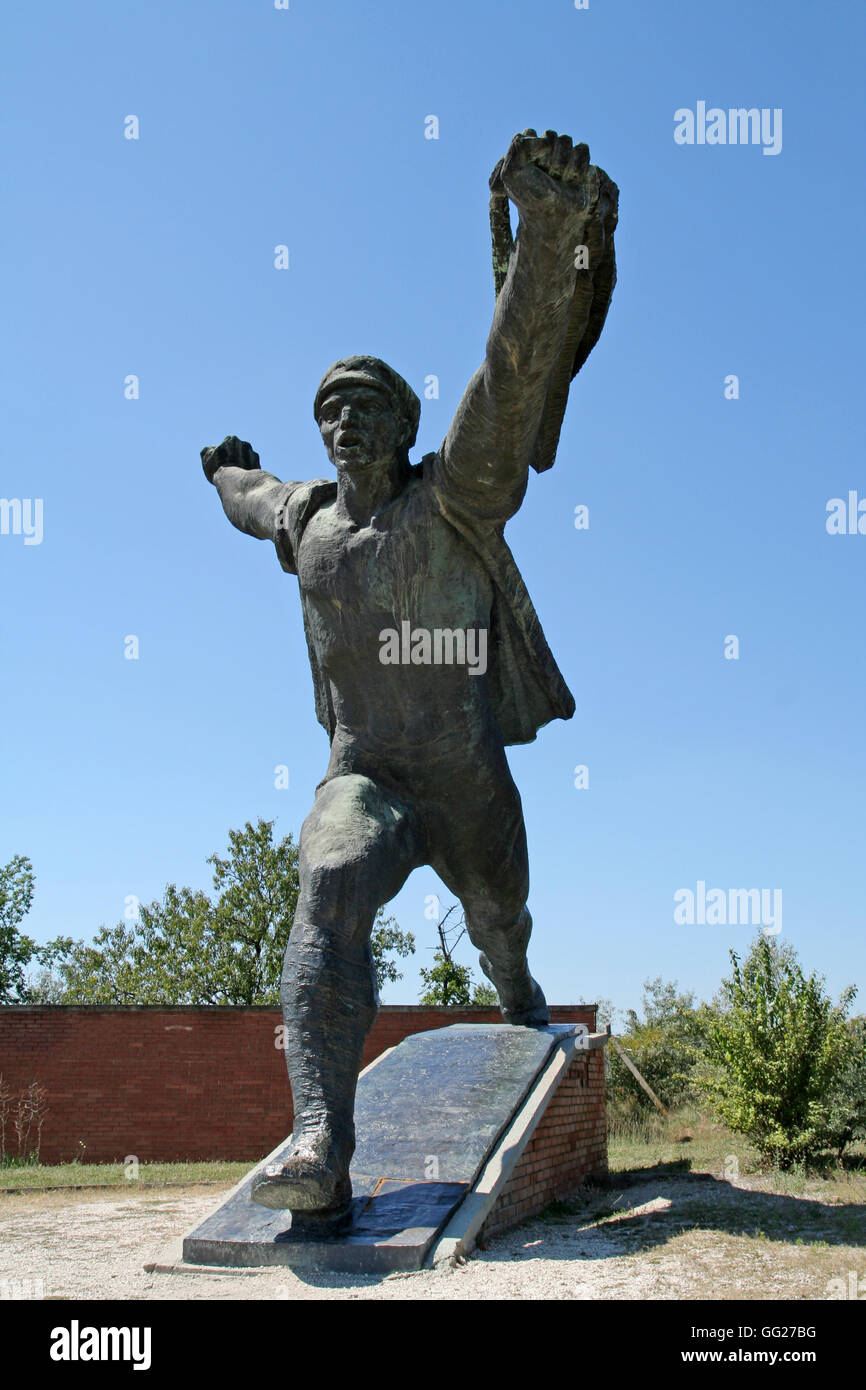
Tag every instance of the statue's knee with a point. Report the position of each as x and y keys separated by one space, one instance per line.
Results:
x=344 y=807
x=355 y=848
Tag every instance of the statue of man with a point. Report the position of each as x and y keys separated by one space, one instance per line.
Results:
x=403 y=571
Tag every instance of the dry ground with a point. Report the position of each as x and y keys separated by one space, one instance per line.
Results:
x=660 y=1230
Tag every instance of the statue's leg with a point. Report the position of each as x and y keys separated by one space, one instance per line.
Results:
x=357 y=847
x=482 y=857
x=502 y=944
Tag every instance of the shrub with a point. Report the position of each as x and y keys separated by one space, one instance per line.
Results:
x=25 y=1116
x=774 y=1056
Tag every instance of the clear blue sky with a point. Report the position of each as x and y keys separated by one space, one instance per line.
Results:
x=260 y=127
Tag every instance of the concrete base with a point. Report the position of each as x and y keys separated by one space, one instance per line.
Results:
x=443 y=1121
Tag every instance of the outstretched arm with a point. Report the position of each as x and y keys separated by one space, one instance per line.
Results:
x=250 y=497
x=564 y=204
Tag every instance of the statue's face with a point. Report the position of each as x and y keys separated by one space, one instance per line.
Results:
x=360 y=428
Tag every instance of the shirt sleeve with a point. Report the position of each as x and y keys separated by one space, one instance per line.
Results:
x=293 y=512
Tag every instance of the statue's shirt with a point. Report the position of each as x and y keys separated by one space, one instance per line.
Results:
x=377 y=600
x=426 y=562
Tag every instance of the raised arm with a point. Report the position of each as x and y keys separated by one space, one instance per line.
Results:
x=250 y=497
x=564 y=204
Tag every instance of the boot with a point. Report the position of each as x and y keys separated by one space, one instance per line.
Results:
x=329 y=1004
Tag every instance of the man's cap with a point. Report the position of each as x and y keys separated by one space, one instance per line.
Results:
x=372 y=371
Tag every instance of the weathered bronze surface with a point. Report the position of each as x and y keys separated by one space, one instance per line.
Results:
x=427 y=655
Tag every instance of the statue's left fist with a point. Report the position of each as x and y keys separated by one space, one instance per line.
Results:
x=232 y=453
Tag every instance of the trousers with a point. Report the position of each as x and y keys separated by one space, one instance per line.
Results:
x=377 y=815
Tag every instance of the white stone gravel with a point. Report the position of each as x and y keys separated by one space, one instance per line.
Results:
x=95 y=1245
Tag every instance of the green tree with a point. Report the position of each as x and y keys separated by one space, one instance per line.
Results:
x=664 y=1043
x=605 y=1012
x=191 y=948
x=447 y=981
x=775 y=1054
x=848 y=1096
x=17 y=882
x=388 y=937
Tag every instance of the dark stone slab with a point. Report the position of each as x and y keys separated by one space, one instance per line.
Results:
x=428 y=1116
x=434 y=1107
x=390 y=1230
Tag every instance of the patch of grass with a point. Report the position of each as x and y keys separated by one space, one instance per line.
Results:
x=695 y=1143
x=44 y=1177
x=685 y=1136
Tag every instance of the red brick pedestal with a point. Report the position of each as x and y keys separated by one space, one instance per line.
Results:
x=567 y=1148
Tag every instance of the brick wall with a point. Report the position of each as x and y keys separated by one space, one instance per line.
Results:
x=181 y=1083
x=568 y=1147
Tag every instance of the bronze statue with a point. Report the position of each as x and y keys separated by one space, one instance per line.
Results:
x=405 y=578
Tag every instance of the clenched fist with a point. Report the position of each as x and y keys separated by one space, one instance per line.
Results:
x=232 y=453
x=547 y=174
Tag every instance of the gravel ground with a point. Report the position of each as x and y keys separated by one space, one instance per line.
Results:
x=641 y=1240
